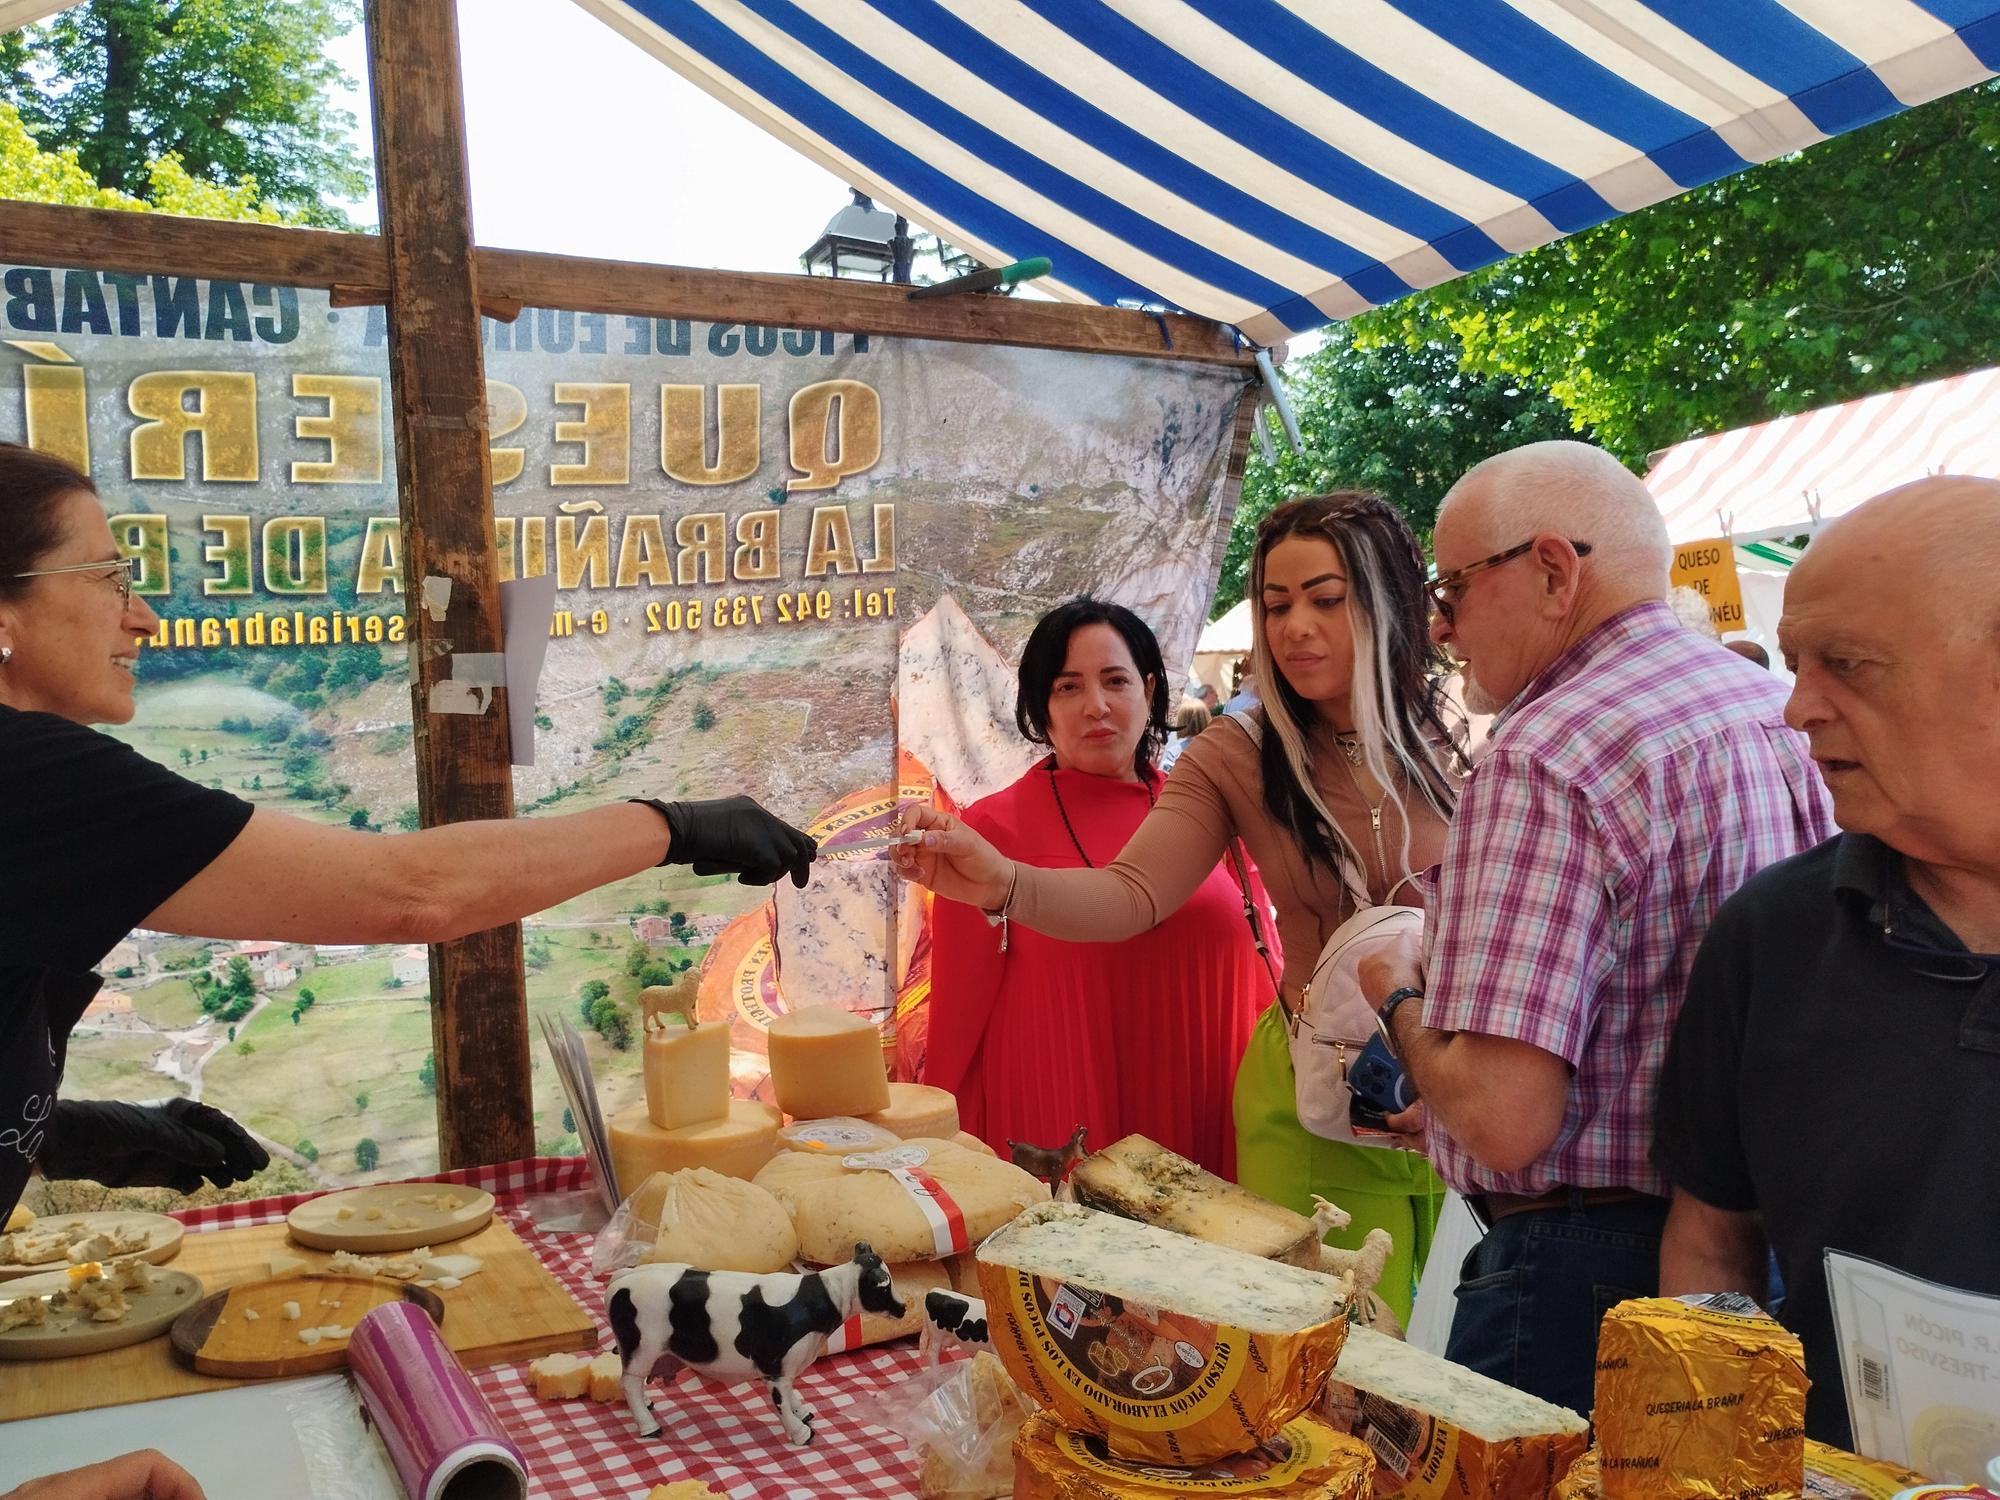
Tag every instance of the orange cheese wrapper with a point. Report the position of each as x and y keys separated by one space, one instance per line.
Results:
x=1104 y=1347
x=1830 y=1475
x=1305 y=1460
x=1698 y=1397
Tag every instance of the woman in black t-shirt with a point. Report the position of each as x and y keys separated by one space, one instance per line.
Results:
x=96 y=840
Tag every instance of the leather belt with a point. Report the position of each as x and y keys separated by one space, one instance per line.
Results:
x=1494 y=1207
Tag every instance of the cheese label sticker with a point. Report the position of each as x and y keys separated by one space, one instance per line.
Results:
x=895 y=1159
x=1138 y=1366
x=835 y=1133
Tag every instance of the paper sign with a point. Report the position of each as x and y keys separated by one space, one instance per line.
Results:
x=1921 y=1367
x=1709 y=568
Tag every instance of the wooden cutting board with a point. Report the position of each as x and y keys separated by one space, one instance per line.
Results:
x=245 y=1332
x=512 y=1310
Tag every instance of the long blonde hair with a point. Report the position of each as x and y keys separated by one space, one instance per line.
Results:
x=1395 y=698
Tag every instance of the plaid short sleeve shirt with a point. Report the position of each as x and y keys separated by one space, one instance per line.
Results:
x=1633 y=785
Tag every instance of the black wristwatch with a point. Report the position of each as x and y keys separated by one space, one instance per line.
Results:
x=1387 y=1013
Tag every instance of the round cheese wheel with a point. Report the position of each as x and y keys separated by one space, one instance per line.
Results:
x=718 y=1223
x=972 y=1142
x=924 y=1200
x=1307 y=1460
x=916 y=1110
x=736 y=1145
x=826 y=1061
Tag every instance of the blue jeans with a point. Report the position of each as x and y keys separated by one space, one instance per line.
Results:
x=1532 y=1291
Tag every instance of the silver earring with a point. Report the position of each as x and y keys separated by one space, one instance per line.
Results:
x=6 y=655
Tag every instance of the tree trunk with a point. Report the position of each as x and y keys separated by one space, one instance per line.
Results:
x=117 y=156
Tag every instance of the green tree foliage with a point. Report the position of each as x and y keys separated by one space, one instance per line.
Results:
x=307 y=1000
x=427 y=1075
x=308 y=1150
x=237 y=90
x=360 y=1103
x=662 y=972
x=1864 y=264
x=1399 y=420
x=241 y=981
x=704 y=717
x=367 y=1155
x=409 y=819
x=358 y=819
x=613 y=1023
x=636 y=958
x=588 y=994
x=540 y=951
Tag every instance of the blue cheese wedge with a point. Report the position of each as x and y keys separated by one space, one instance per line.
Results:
x=1438 y=1429
x=832 y=937
x=1172 y=1350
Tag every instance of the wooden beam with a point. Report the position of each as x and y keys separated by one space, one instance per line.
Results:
x=356 y=267
x=479 y=1011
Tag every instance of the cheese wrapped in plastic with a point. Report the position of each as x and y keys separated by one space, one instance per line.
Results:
x=921 y=1200
x=1698 y=1397
x=1438 y=1429
x=720 y=1224
x=1304 y=1460
x=1174 y=1351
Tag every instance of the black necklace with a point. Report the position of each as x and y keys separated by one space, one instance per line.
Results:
x=1152 y=800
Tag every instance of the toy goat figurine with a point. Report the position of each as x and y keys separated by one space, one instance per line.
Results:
x=731 y=1326
x=1052 y=1166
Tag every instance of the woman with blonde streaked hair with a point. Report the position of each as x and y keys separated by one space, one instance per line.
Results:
x=1343 y=778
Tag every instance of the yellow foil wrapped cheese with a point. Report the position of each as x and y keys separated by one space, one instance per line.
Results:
x=1305 y=1460
x=1173 y=1351
x=1699 y=1397
x=1830 y=1475
x=1442 y=1432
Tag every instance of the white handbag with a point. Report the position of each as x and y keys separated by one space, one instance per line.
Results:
x=1335 y=1020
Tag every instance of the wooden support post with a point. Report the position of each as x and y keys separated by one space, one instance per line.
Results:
x=479 y=1014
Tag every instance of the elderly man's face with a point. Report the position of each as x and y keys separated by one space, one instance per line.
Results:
x=1898 y=690
x=1496 y=628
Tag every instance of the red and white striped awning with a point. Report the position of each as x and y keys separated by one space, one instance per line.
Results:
x=1789 y=475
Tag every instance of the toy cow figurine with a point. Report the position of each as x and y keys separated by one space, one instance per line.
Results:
x=947 y=1315
x=731 y=1326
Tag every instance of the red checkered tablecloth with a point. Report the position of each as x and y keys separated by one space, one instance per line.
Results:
x=726 y=1435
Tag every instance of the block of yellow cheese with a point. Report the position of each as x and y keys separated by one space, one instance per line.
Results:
x=687 y=1071
x=827 y=1061
x=917 y=1110
x=736 y=1145
x=1698 y=1395
x=1304 y=1460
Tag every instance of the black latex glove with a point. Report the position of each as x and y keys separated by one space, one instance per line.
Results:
x=734 y=836
x=173 y=1145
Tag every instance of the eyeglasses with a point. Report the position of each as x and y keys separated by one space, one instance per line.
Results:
x=1447 y=588
x=126 y=570
x=1952 y=965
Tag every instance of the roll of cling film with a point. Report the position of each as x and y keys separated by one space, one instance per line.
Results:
x=1158 y=1386
x=1305 y=1460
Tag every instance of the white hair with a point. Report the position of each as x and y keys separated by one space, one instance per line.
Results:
x=1574 y=490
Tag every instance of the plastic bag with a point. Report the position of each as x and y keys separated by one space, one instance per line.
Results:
x=959 y=1419
x=698 y=1218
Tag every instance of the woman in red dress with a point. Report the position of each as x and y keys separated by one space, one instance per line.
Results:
x=1037 y=1036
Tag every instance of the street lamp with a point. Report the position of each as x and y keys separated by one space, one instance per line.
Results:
x=861 y=243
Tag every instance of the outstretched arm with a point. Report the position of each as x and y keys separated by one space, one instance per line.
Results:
x=292 y=880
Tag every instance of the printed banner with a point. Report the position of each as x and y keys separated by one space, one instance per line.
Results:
x=787 y=562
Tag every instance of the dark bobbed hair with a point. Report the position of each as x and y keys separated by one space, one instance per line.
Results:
x=32 y=488
x=1395 y=697
x=1048 y=648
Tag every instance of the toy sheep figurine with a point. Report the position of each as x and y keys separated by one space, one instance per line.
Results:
x=731 y=1326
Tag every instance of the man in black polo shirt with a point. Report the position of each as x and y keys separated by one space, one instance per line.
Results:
x=1834 y=1078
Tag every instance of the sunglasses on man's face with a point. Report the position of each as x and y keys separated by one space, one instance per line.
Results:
x=1448 y=588
x=119 y=573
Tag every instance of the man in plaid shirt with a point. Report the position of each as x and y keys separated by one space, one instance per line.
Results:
x=1637 y=776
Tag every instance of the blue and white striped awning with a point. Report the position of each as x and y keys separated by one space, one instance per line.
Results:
x=1276 y=164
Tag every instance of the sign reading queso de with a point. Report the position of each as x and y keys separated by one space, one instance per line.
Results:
x=1709 y=568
